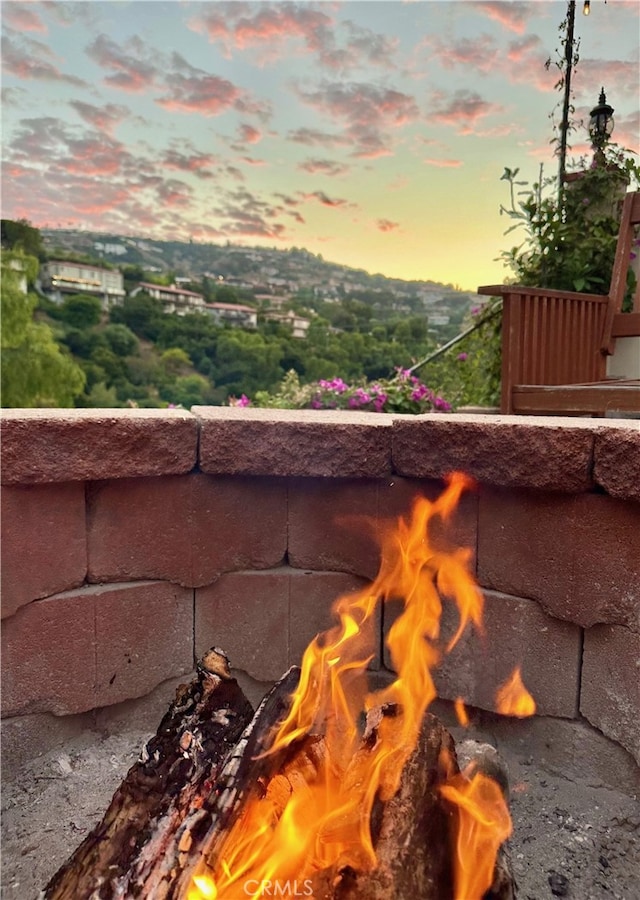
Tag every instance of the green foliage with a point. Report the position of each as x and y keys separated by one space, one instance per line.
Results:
x=80 y=310
x=142 y=314
x=101 y=396
x=21 y=236
x=35 y=370
x=175 y=361
x=469 y=373
x=121 y=340
x=187 y=390
x=569 y=245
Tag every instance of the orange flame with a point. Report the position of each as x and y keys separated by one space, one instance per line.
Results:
x=461 y=712
x=316 y=815
x=483 y=825
x=513 y=699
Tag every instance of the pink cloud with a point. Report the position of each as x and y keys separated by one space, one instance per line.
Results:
x=368 y=112
x=524 y=61
x=266 y=26
x=82 y=199
x=104 y=118
x=323 y=167
x=130 y=72
x=480 y=54
x=287 y=199
x=204 y=94
x=196 y=163
x=626 y=132
x=270 y=29
x=246 y=215
x=462 y=110
x=175 y=193
x=386 y=225
x=33 y=67
x=444 y=163
x=249 y=135
x=513 y=15
x=21 y=18
x=313 y=137
x=325 y=200
x=94 y=157
x=191 y=90
x=619 y=76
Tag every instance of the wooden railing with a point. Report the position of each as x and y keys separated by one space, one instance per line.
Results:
x=561 y=339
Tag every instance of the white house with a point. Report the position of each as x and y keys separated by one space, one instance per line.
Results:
x=299 y=324
x=174 y=299
x=59 y=277
x=233 y=314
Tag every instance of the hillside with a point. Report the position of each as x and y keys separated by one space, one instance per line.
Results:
x=259 y=270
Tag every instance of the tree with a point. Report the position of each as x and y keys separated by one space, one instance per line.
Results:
x=142 y=314
x=187 y=391
x=20 y=235
x=120 y=339
x=80 y=310
x=175 y=361
x=35 y=370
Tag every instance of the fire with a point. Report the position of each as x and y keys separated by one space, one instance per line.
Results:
x=315 y=813
x=513 y=699
x=483 y=825
x=461 y=712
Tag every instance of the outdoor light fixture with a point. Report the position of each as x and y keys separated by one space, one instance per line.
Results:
x=600 y=124
x=586 y=9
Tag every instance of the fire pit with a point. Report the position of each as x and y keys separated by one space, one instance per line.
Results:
x=222 y=804
x=81 y=491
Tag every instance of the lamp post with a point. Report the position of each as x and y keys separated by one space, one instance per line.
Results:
x=600 y=128
x=569 y=56
x=564 y=124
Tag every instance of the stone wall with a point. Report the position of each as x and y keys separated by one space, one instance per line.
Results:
x=133 y=540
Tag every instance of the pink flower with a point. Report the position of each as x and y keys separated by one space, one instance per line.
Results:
x=420 y=393
x=462 y=357
x=243 y=401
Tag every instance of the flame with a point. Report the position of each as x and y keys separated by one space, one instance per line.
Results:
x=483 y=825
x=513 y=699
x=461 y=712
x=315 y=813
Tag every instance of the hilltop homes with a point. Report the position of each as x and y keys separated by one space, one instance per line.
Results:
x=233 y=314
x=60 y=277
x=174 y=299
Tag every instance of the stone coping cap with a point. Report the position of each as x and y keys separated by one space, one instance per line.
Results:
x=543 y=452
x=318 y=443
x=48 y=445
x=566 y=454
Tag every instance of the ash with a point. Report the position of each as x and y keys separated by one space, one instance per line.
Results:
x=572 y=838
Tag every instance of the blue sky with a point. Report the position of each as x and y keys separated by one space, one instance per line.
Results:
x=372 y=132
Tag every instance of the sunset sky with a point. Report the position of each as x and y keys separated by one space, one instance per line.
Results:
x=373 y=132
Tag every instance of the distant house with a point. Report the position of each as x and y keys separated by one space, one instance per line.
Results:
x=233 y=314
x=299 y=324
x=174 y=299
x=60 y=277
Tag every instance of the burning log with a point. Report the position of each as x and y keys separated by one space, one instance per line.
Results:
x=179 y=802
x=410 y=830
x=157 y=811
x=350 y=794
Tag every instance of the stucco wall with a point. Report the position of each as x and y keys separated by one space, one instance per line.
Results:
x=133 y=540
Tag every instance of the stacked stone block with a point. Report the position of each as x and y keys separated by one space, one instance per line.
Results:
x=133 y=540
